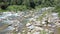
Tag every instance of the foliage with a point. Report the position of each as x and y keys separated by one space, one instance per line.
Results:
x=57 y=8
x=17 y=7
x=44 y=3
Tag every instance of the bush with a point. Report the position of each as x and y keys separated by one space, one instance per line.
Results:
x=17 y=7
x=57 y=9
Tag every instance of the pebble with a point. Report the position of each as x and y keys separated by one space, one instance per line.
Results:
x=28 y=24
x=36 y=33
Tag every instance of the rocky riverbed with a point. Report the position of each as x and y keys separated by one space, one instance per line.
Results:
x=42 y=21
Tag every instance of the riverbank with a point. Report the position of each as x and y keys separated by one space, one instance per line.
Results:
x=29 y=22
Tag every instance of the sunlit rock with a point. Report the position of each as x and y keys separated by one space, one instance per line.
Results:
x=16 y=14
x=50 y=31
x=28 y=32
x=46 y=30
x=32 y=19
x=38 y=28
x=49 y=25
x=36 y=33
x=31 y=27
x=19 y=33
x=43 y=22
x=37 y=23
x=28 y=24
x=36 y=16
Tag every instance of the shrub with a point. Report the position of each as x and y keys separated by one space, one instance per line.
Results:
x=57 y=9
x=17 y=7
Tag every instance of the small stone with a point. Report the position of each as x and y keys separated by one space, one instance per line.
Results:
x=50 y=31
x=46 y=30
x=39 y=28
x=29 y=33
x=43 y=22
x=31 y=27
x=16 y=30
x=49 y=25
x=19 y=33
x=36 y=33
x=28 y=24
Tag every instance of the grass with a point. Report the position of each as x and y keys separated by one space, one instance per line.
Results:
x=42 y=32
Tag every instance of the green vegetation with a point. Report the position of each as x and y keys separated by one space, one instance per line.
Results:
x=29 y=3
x=17 y=7
x=58 y=9
x=22 y=5
x=42 y=32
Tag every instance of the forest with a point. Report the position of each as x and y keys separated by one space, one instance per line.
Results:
x=29 y=3
x=19 y=5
